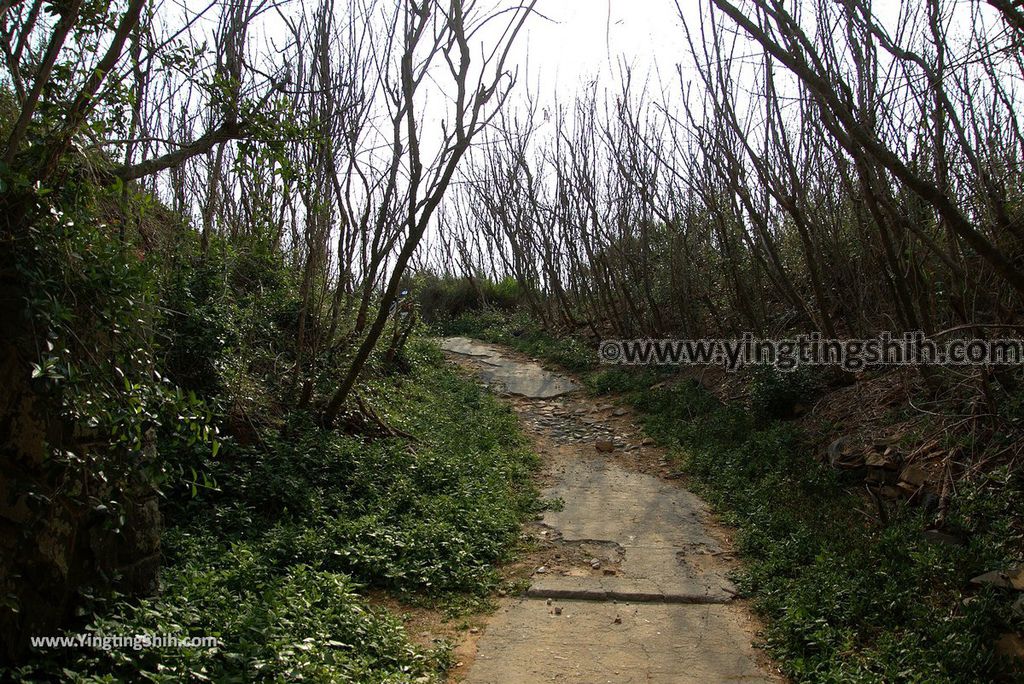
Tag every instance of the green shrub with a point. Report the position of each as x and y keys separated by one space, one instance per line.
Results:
x=845 y=600
x=272 y=561
x=442 y=300
x=297 y=625
x=505 y=294
x=93 y=305
x=230 y=304
x=774 y=393
x=435 y=517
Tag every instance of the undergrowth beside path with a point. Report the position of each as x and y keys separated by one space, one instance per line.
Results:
x=275 y=560
x=844 y=598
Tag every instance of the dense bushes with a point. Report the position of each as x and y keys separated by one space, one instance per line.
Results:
x=442 y=300
x=86 y=406
x=271 y=561
x=778 y=394
x=227 y=328
x=434 y=516
x=175 y=365
x=296 y=624
x=845 y=600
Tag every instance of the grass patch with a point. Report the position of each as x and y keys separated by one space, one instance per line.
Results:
x=274 y=561
x=845 y=599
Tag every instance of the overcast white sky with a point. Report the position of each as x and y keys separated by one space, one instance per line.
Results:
x=570 y=43
x=578 y=40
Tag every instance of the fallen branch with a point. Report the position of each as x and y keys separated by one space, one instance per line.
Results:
x=382 y=424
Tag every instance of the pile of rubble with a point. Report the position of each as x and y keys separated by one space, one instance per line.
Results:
x=886 y=470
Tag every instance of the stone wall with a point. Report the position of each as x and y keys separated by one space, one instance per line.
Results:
x=54 y=537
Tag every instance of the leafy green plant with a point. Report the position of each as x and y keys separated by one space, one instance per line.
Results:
x=299 y=624
x=273 y=561
x=92 y=299
x=774 y=393
x=844 y=599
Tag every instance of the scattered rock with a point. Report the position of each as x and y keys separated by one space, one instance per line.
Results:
x=647 y=441
x=907 y=489
x=875 y=459
x=617 y=620
x=595 y=563
x=558 y=610
x=1011 y=646
x=843 y=456
x=609 y=571
x=890 y=492
x=542 y=569
x=1009 y=579
x=604 y=446
x=915 y=475
x=943 y=537
x=619 y=412
x=474 y=630
x=880 y=476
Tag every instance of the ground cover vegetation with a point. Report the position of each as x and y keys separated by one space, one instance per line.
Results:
x=810 y=167
x=219 y=256
x=221 y=418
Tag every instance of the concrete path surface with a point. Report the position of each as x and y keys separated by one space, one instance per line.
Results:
x=508 y=375
x=630 y=583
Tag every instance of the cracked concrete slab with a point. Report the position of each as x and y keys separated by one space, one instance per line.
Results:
x=636 y=590
x=590 y=642
x=655 y=522
x=469 y=347
x=626 y=589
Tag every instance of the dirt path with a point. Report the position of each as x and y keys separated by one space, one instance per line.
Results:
x=630 y=580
